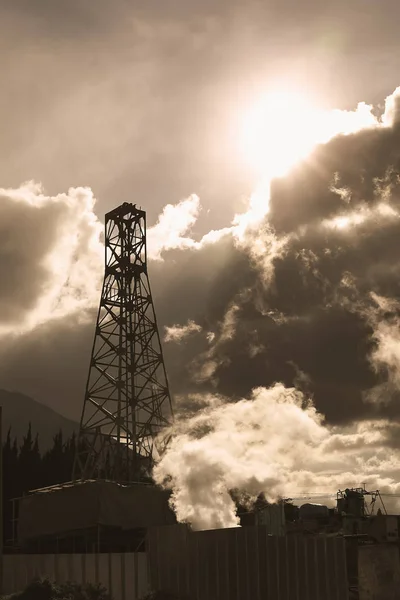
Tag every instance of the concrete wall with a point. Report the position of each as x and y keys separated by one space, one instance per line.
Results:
x=379 y=572
x=124 y=575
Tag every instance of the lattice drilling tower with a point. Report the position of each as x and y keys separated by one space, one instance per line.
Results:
x=127 y=401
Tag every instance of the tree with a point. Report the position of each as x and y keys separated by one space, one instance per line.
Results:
x=29 y=463
x=10 y=483
x=25 y=469
x=58 y=461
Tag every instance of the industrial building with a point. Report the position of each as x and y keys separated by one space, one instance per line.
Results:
x=90 y=516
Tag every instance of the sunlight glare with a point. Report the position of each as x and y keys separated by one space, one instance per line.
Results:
x=276 y=133
x=280 y=130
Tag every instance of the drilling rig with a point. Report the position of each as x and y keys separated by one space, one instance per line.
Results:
x=127 y=401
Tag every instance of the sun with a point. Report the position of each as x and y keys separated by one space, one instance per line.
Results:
x=281 y=129
x=278 y=131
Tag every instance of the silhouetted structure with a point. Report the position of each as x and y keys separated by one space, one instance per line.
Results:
x=127 y=401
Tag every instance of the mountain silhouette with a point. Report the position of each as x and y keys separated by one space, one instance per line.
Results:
x=20 y=410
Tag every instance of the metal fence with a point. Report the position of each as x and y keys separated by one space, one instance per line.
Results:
x=246 y=564
x=124 y=575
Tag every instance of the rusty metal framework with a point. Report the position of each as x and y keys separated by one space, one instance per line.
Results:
x=127 y=402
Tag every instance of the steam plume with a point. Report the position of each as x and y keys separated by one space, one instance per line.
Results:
x=274 y=442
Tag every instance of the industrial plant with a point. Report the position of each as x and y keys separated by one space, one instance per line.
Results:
x=290 y=550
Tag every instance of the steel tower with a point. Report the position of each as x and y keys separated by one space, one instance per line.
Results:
x=127 y=401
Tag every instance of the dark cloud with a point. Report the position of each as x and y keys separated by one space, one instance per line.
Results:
x=330 y=347
x=50 y=363
x=341 y=212
x=25 y=231
x=357 y=161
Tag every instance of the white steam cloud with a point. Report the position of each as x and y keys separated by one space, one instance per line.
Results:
x=276 y=443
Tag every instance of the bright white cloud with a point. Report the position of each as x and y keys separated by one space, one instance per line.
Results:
x=363 y=214
x=176 y=333
x=386 y=355
x=174 y=222
x=172 y=230
x=391 y=114
x=52 y=253
x=55 y=251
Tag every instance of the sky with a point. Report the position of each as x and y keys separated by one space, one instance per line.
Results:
x=256 y=284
